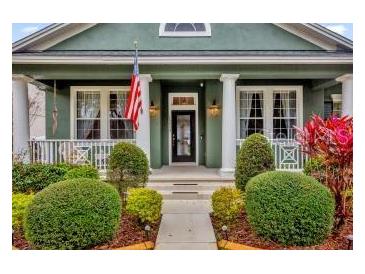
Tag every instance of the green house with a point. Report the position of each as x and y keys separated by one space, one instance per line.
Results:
x=204 y=89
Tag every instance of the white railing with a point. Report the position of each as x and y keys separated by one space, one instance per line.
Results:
x=93 y=152
x=288 y=154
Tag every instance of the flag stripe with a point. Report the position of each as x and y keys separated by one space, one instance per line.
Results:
x=134 y=103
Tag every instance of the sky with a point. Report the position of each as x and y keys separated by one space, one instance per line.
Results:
x=20 y=30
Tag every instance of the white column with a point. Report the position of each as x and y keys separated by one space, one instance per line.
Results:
x=143 y=132
x=21 y=130
x=347 y=93
x=228 y=124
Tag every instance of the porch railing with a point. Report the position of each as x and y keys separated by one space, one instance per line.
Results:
x=288 y=154
x=93 y=152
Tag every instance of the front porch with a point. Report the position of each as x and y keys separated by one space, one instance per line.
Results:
x=288 y=155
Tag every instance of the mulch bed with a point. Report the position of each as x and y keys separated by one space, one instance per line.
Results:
x=129 y=233
x=19 y=241
x=241 y=232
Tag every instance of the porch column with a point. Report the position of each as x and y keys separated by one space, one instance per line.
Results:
x=143 y=132
x=228 y=123
x=21 y=130
x=347 y=92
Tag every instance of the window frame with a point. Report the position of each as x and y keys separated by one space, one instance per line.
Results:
x=268 y=93
x=104 y=108
x=206 y=33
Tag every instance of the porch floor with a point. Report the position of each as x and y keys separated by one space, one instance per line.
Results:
x=187 y=173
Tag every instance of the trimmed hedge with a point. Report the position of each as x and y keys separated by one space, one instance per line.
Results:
x=29 y=178
x=289 y=208
x=227 y=203
x=84 y=171
x=20 y=203
x=73 y=214
x=144 y=203
x=128 y=166
x=255 y=156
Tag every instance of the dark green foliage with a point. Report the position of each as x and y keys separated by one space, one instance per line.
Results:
x=84 y=171
x=316 y=168
x=144 y=203
x=289 y=208
x=20 y=203
x=255 y=157
x=73 y=214
x=34 y=177
x=127 y=167
x=227 y=203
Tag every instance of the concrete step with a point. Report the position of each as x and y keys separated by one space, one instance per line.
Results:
x=187 y=190
x=162 y=179
x=185 y=187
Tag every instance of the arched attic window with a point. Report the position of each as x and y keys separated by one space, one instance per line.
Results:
x=185 y=29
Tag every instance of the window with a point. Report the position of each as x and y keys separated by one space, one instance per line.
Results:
x=251 y=113
x=119 y=127
x=284 y=114
x=271 y=110
x=185 y=29
x=98 y=113
x=183 y=100
x=88 y=115
x=336 y=104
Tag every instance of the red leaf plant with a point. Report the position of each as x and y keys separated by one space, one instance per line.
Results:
x=332 y=139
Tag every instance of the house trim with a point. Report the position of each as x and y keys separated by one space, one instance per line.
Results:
x=184 y=60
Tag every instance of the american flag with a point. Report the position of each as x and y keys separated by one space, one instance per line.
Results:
x=134 y=102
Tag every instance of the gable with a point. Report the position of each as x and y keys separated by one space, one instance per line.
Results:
x=223 y=37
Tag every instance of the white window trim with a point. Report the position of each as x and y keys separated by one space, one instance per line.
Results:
x=206 y=33
x=184 y=107
x=104 y=107
x=268 y=105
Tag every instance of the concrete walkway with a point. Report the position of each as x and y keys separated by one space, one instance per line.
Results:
x=186 y=225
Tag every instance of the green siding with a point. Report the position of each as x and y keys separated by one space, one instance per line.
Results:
x=63 y=106
x=155 y=126
x=240 y=37
x=213 y=90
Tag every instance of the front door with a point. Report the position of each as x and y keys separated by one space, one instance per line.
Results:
x=183 y=135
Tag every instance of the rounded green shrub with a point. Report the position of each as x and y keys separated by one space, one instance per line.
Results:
x=255 y=156
x=227 y=203
x=127 y=166
x=289 y=208
x=73 y=214
x=84 y=171
x=144 y=203
x=20 y=203
x=316 y=168
x=29 y=178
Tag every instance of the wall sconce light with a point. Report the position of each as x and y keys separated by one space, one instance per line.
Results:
x=153 y=109
x=214 y=109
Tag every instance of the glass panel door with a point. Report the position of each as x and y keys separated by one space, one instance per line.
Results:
x=183 y=136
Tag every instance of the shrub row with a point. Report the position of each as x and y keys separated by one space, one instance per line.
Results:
x=29 y=178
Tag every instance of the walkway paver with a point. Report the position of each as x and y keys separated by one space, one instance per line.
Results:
x=185 y=225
